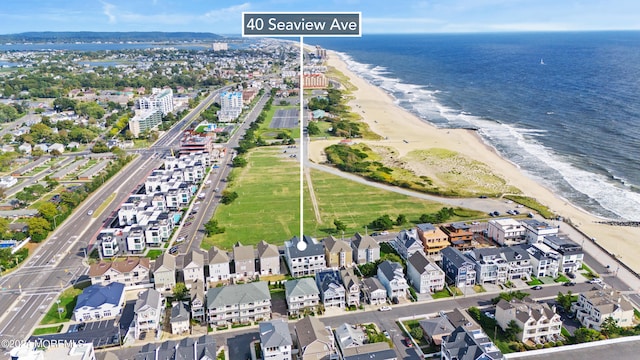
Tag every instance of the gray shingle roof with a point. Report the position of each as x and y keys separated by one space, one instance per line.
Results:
x=149 y=297
x=311 y=329
x=464 y=345
x=267 y=250
x=242 y=252
x=275 y=333
x=180 y=312
x=310 y=248
x=166 y=261
x=301 y=287
x=390 y=269
x=362 y=242
x=217 y=256
x=455 y=256
x=237 y=294
x=336 y=245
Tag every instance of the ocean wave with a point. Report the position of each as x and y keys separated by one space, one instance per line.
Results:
x=601 y=195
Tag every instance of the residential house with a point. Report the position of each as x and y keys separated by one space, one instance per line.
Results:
x=149 y=311
x=391 y=276
x=544 y=260
x=433 y=239
x=218 y=265
x=304 y=256
x=352 y=287
x=131 y=271
x=436 y=328
x=200 y=348
x=364 y=249
x=337 y=252
x=595 y=306
x=180 y=317
x=506 y=232
x=25 y=148
x=301 y=295
x=56 y=147
x=332 y=292
x=518 y=263
x=407 y=243
x=99 y=302
x=243 y=303
x=538 y=322
x=378 y=351
x=469 y=344
x=275 y=340
x=490 y=265
x=350 y=336
x=459 y=235
x=315 y=341
x=458 y=268
x=268 y=258
x=424 y=275
x=244 y=260
x=374 y=292
x=535 y=231
x=108 y=244
x=193 y=267
x=72 y=351
x=571 y=253
x=164 y=272
x=197 y=304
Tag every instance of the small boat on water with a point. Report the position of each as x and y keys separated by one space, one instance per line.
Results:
x=541 y=62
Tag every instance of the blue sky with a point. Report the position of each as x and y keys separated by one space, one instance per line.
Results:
x=378 y=16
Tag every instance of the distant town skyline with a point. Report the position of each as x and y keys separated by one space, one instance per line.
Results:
x=431 y=16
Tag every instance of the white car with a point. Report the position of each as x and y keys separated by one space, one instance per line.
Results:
x=385 y=308
x=181 y=239
x=90 y=212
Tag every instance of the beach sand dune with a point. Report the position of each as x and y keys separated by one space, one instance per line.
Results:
x=405 y=133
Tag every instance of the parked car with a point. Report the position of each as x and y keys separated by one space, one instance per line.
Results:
x=386 y=334
x=385 y=308
x=90 y=212
x=571 y=275
x=181 y=239
x=570 y=283
x=384 y=233
x=537 y=287
x=407 y=341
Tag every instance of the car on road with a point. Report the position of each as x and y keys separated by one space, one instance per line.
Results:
x=570 y=283
x=496 y=213
x=483 y=196
x=188 y=223
x=537 y=287
x=173 y=250
x=407 y=342
x=90 y=212
x=595 y=281
x=385 y=308
x=386 y=334
x=181 y=239
x=384 y=233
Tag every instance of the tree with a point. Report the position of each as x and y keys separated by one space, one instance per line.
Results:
x=239 y=161
x=512 y=330
x=313 y=128
x=211 y=227
x=48 y=211
x=564 y=300
x=340 y=226
x=38 y=228
x=584 y=335
x=4 y=225
x=382 y=223
x=99 y=147
x=401 y=220
x=180 y=291
x=416 y=332
x=228 y=197
x=64 y=103
x=609 y=327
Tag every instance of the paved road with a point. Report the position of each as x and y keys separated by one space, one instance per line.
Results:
x=27 y=293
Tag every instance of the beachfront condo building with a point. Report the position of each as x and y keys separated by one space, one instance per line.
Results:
x=145 y=120
x=160 y=99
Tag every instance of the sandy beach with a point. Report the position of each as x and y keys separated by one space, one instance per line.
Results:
x=405 y=133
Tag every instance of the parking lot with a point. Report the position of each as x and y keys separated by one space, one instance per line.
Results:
x=285 y=119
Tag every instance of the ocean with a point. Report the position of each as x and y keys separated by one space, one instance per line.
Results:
x=562 y=106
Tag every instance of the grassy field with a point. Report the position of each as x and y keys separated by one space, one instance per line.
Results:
x=268 y=203
x=47 y=330
x=67 y=300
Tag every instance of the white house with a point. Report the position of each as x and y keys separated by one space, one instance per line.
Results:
x=193 y=267
x=374 y=292
x=391 y=276
x=506 y=232
x=537 y=321
x=535 y=230
x=7 y=181
x=424 y=275
x=218 y=265
x=149 y=310
x=179 y=319
x=99 y=302
x=304 y=256
x=275 y=340
x=301 y=294
x=595 y=306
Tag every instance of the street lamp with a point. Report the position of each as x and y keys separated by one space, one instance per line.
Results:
x=55 y=224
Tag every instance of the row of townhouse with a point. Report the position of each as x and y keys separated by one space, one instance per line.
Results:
x=554 y=255
x=431 y=240
x=149 y=216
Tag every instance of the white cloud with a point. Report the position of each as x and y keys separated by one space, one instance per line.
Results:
x=108 y=9
x=226 y=13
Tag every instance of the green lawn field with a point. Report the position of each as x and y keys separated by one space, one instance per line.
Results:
x=268 y=205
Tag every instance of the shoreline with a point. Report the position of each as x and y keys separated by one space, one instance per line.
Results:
x=405 y=132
